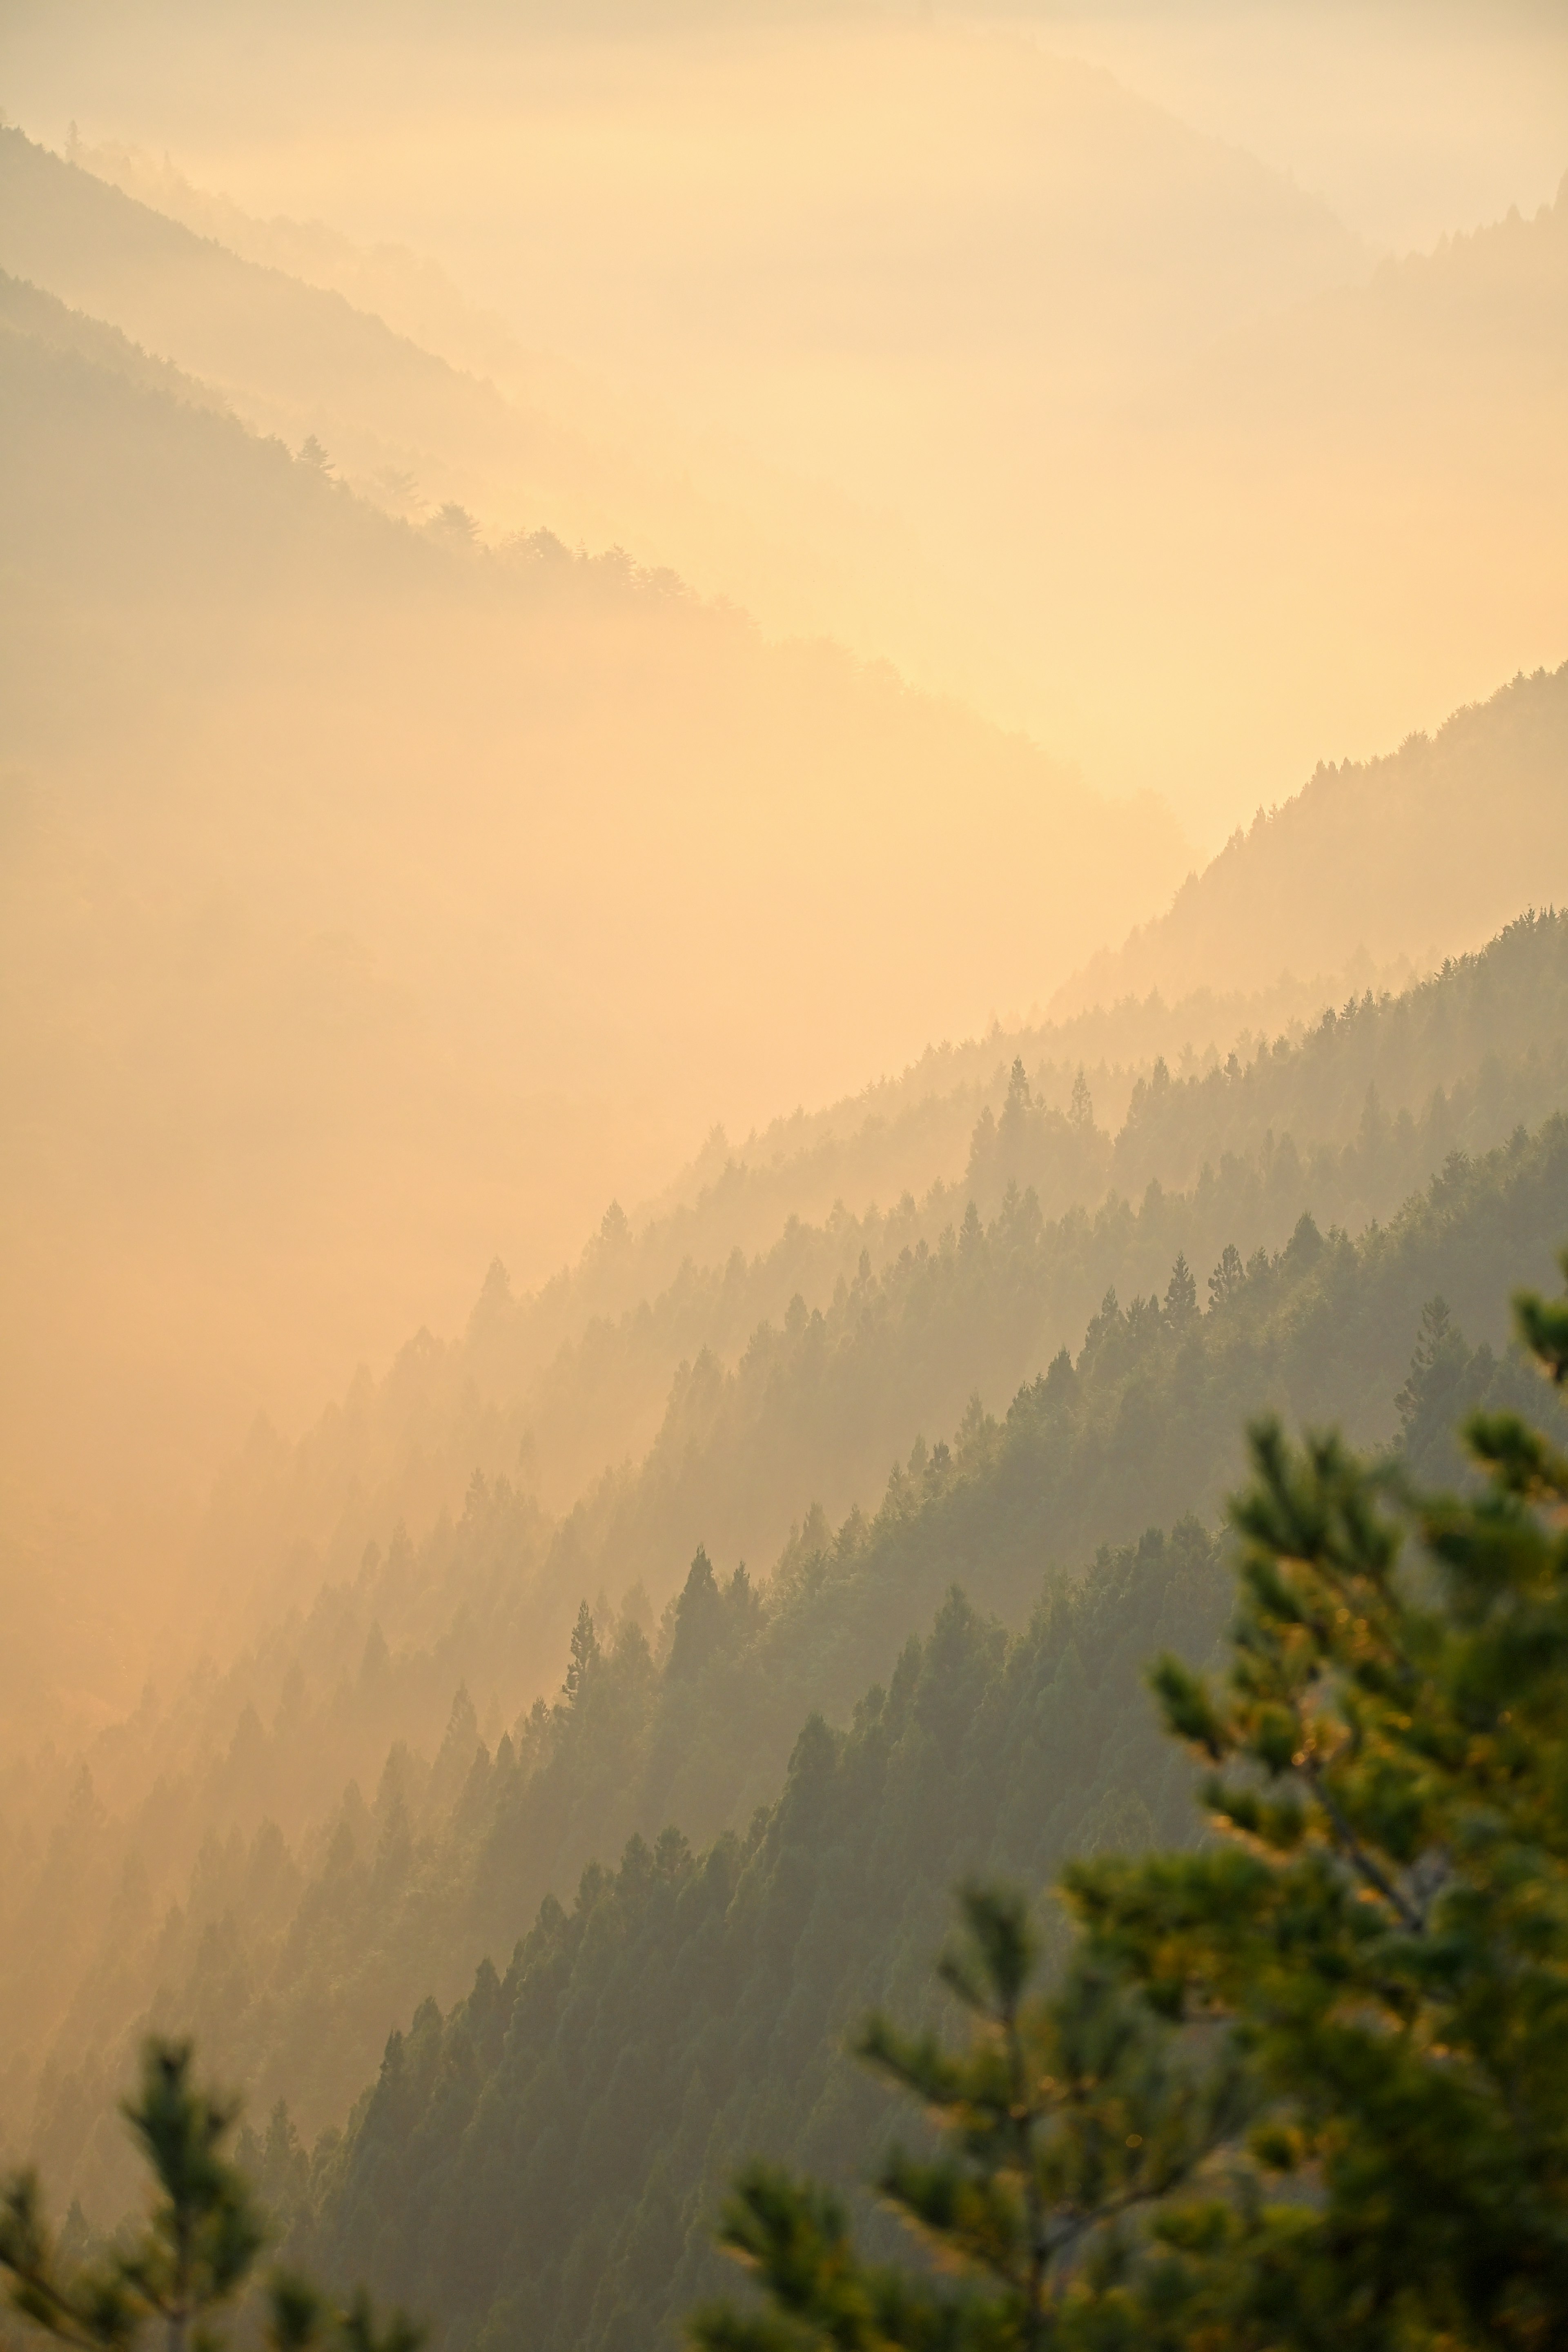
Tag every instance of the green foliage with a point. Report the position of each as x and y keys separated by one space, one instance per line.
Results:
x=197 y=2250
x=1386 y=1926
x=584 y=1655
x=1362 y=1983
x=550 y=2152
x=289 y=1964
x=194 y=2257
x=1062 y=2118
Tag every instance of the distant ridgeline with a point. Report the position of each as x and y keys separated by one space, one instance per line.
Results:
x=1386 y=854
x=236 y=1889
x=746 y=1383
x=289 y=1963
x=1348 y=1113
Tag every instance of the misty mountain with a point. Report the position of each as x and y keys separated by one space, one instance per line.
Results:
x=288 y=1950
x=1421 y=852
x=432 y=888
x=618 y=626
x=684 y=2005
x=295 y=360
x=680 y=1335
x=1119 y=239
x=560 y=2140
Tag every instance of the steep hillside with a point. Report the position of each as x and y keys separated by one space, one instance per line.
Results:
x=1132 y=236
x=292 y=1947
x=672 y=1329
x=391 y=871
x=1421 y=852
x=1066 y=408
x=295 y=360
x=676 y=1386
x=558 y=2143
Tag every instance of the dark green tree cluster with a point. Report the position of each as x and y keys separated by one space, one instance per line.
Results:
x=1306 y=2085
x=1064 y=2118
x=545 y=2158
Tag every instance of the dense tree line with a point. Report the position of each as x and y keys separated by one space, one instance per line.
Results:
x=290 y=1957
x=1379 y=1953
x=552 y=1388
x=1355 y=1111
x=1304 y=2085
x=547 y=2155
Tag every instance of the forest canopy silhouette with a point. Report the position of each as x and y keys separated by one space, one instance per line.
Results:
x=1353 y=2002
x=784 y=800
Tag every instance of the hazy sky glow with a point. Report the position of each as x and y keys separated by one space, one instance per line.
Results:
x=1059 y=430
x=926 y=298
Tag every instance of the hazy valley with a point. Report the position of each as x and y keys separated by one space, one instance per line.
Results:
x=778 y=803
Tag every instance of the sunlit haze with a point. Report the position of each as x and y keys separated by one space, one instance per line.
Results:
x=714 y=720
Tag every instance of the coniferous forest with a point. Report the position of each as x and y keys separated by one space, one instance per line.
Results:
x=784 y=1440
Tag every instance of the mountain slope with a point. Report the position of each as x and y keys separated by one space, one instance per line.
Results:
x=426 y=891
x=553 y=2152
x=1422 y=853
x=292 y=359
x=517 y=439
x=292 y=1948
x=674 y=1332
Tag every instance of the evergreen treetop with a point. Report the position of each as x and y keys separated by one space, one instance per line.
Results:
x=1307 y=2085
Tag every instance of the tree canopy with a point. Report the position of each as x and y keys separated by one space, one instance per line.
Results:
x=195 y=2254
x=1306 y=2083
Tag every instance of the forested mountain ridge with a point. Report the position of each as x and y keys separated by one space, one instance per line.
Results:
x=754 y=1402
x=555 y=1389
x=1336 y=868
x=558 y=2143
x=553 y=2152
x=215 y=652
x=502 y=1778
x=297 y=360
x=282 y=1953
x=1268 y=441
x=421 y=402
x=765 y=1421
x=381 y=1033
x=172 y=489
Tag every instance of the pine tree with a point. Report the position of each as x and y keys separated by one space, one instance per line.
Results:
x=1180 y=1292
x=1061 y=2119
x=1306 y=2086
x=584 y=1654
x=196 y=2254
x=1228 y=1276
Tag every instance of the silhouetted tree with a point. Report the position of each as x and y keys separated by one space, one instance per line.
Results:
x=1308 y=2085
x=1180 y=1292
x=195 y=2254
x=1228 y=1276
x=584 y=1654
